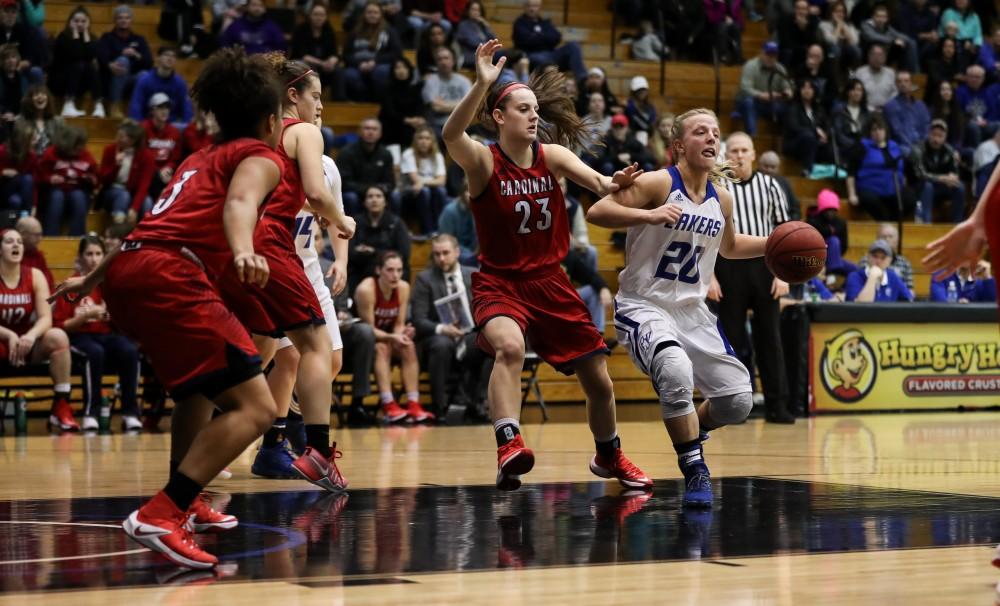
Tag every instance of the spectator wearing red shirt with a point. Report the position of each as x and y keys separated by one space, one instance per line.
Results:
x=127 y=168
x=69 y=173
x=85 y=319
x=31 y=234
x=164 y=140
x=17 y=184
x=199 y=133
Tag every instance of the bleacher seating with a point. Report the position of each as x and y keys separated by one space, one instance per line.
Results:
x=589 y=22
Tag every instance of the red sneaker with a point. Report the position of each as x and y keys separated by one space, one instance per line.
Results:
x=159 y=525
x=321 y=471
x=205 y=519
x=417 y=413
x=514 y=459
x=61 y=416
x=392 y=412
x=621 y=469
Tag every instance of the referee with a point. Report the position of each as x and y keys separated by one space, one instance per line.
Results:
x=740 y=285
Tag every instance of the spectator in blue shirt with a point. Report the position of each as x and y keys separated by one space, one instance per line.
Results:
x=908 y=118
x=456 y=219
x=878 y=282
x=162 y=79
x=539 y=39
x=876 y=179
x=122 y=55
x=981 y=104
x=989 y=54
x=969 y=288
x=255 y=31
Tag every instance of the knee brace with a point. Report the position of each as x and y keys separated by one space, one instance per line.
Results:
x=673 y=380
x=726 y=410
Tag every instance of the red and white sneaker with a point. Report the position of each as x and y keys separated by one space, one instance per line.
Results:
x=621 y=469
x=161 y=526
x=392 y=412
x=205 y=519
x=61 y=416
x=321 y=471
x=514 y=459
x=417 y=413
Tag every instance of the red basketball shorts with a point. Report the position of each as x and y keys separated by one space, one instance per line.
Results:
x=288 y=300
x=553 y=318
x=164 y=301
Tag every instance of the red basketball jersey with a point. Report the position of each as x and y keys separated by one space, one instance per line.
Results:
x=189 y=211
x=17 y=304
x=278 y=223
x=386 y=310
x=521 y=218
x=65 y=308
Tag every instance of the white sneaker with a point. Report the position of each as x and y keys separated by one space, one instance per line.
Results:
x=89 y=424
x=69 y=110
x=98 y=110
x=132 y=423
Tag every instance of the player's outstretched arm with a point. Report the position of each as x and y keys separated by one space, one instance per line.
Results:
x=83 y=285
x=963 y=245
x=253 y=180
x=473 y=157
x=564 y=163
x=640 y=204
x=734 y=245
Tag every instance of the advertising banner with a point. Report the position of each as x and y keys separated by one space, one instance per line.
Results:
x=903 y=366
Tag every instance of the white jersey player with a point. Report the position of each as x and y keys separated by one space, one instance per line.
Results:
x=679 y=220
x=306 y=228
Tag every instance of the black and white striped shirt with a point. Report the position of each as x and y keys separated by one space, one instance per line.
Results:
x=759 y=205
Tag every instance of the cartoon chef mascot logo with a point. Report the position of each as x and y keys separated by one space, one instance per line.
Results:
x=848 y=367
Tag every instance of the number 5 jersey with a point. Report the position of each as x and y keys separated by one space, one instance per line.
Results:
x=672 y=265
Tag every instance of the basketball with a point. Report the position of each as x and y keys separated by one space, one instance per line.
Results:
x=795 y=252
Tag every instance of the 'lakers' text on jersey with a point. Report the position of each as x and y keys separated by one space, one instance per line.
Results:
x=672 y=265
x=521 y=218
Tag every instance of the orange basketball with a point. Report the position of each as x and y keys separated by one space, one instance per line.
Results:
x=795 y=252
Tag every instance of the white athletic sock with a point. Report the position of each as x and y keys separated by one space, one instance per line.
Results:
x=505 y=421
x=413 y=396
x=614 y=434
x=386 y=397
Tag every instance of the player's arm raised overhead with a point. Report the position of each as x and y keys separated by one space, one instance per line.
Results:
x=734 y=245
x=254 y=179
x=642 y=203
x=473 y=157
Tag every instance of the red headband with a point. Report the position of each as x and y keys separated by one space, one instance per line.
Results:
x=297 y=78
x=513 y=86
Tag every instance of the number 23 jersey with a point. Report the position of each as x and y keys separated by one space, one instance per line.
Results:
x=521 y=219
x=672 y=265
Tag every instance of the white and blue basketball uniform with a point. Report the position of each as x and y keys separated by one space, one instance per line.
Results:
x=661 y=293
x=305 y=247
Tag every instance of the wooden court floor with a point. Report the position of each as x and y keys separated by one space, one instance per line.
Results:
x=833 y=510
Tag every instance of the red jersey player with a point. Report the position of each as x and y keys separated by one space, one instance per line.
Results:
x=523 y=230
x=158 y=287
x=963 y=245
x=288 y=304
x=26 y=332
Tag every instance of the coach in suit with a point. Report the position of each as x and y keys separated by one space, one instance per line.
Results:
x=442 y=345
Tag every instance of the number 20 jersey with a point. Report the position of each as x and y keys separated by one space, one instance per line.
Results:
x=672 y=265
x=521 y=218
